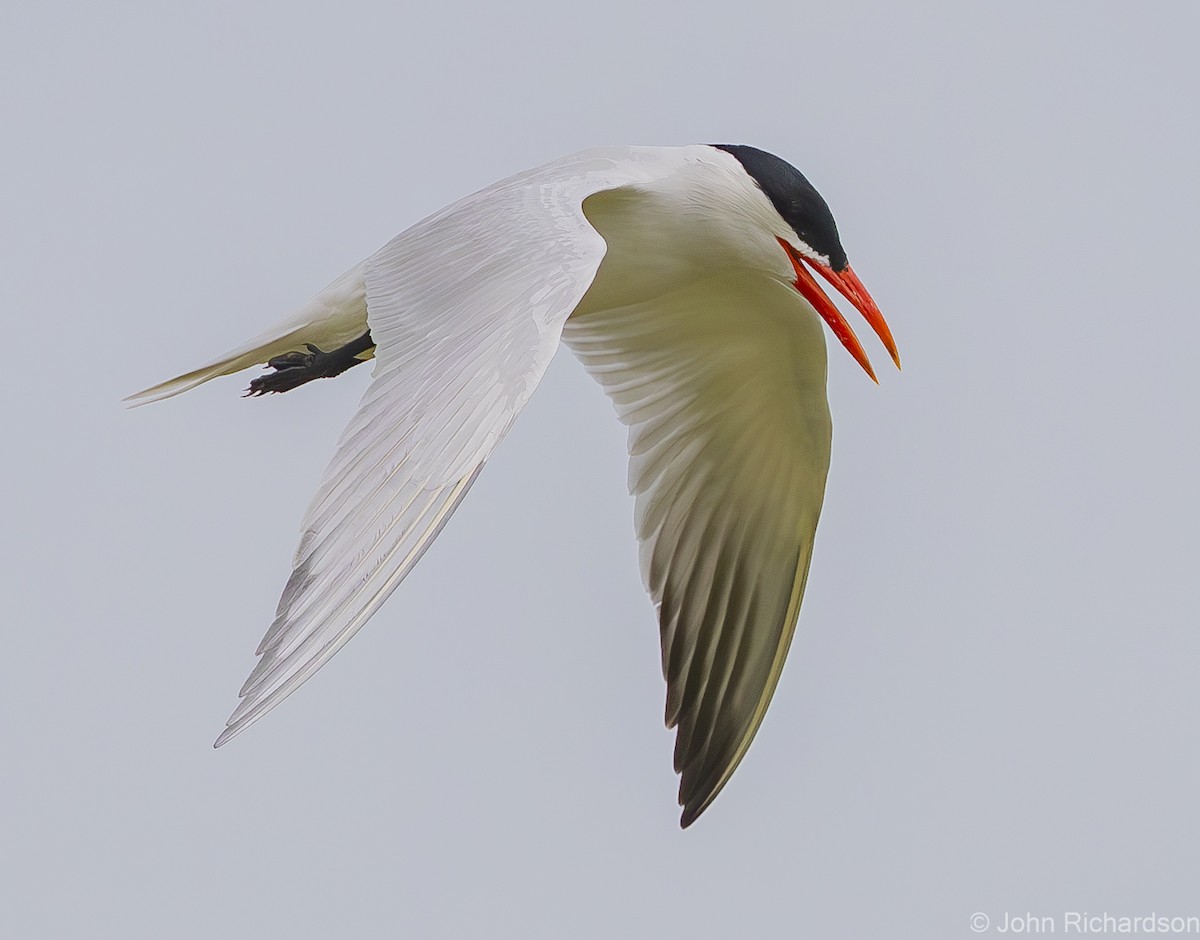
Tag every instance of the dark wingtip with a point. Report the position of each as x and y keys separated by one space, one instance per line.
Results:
x=693 y=805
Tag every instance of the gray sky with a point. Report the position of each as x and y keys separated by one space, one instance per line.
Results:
x=991 y=703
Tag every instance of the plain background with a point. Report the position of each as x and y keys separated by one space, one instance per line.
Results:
x=991 y=704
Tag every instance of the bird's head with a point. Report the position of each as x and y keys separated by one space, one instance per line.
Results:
x=816 y=245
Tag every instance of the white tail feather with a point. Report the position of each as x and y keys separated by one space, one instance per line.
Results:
x=333 y=318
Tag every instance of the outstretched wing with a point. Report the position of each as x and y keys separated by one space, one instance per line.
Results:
x=722 y=385
x=466 y=309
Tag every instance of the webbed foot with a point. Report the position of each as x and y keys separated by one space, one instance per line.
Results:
x=293 y=369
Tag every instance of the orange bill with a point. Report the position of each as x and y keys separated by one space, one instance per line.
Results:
x=850 y=287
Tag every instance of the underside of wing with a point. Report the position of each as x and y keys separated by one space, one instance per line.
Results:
x=722 y=384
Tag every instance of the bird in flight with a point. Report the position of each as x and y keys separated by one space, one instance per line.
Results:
x=683 y=278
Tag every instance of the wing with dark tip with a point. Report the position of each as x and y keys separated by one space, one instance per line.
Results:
x=722 y=385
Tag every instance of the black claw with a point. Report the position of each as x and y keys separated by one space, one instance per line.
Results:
x=293 y=369
x=284 y=380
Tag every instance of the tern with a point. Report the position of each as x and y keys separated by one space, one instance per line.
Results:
x=683 y=278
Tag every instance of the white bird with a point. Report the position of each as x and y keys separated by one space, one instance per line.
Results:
x=680 y=276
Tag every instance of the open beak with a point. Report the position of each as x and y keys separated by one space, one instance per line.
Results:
x=850 y=287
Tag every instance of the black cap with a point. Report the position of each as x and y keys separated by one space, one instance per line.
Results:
x=794 y=198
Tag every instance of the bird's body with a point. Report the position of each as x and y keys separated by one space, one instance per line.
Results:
x=675 y=277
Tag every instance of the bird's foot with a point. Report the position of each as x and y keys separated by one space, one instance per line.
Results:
x=293 y=369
